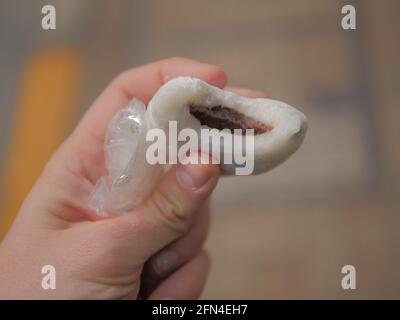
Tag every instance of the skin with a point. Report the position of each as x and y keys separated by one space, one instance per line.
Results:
x=154 y=252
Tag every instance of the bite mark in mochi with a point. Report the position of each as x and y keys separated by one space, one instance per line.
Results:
x=220 y=118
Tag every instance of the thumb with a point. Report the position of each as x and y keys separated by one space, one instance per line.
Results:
x=167 y=213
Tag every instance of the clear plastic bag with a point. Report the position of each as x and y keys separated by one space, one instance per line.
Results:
x=125 y=185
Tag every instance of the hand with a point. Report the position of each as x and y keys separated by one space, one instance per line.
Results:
x=155 y=251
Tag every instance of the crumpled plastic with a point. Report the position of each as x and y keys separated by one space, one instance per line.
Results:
x=124 y=140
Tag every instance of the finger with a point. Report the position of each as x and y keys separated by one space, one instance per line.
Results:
x=170 y=258
x=87 y=140
x=245 y=92
x=168 y=212
x=187 y=283
x=142 y=82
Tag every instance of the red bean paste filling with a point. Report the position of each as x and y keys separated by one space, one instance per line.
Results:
x=220 y=117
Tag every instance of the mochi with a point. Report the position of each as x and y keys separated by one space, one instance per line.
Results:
x=277 y=131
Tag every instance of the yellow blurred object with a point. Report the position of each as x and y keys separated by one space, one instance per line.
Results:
x=46 y=104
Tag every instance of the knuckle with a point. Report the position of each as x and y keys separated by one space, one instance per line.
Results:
x=170 y=211
x=118 y=78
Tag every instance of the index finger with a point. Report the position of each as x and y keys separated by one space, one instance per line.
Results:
x=141 y=82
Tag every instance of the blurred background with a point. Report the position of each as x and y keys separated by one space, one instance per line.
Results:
x=286 y=234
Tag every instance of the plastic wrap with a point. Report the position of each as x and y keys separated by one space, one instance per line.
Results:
x=124 y=149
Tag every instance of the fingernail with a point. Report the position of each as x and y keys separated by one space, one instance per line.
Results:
x=192 y=176
x=165 y=262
